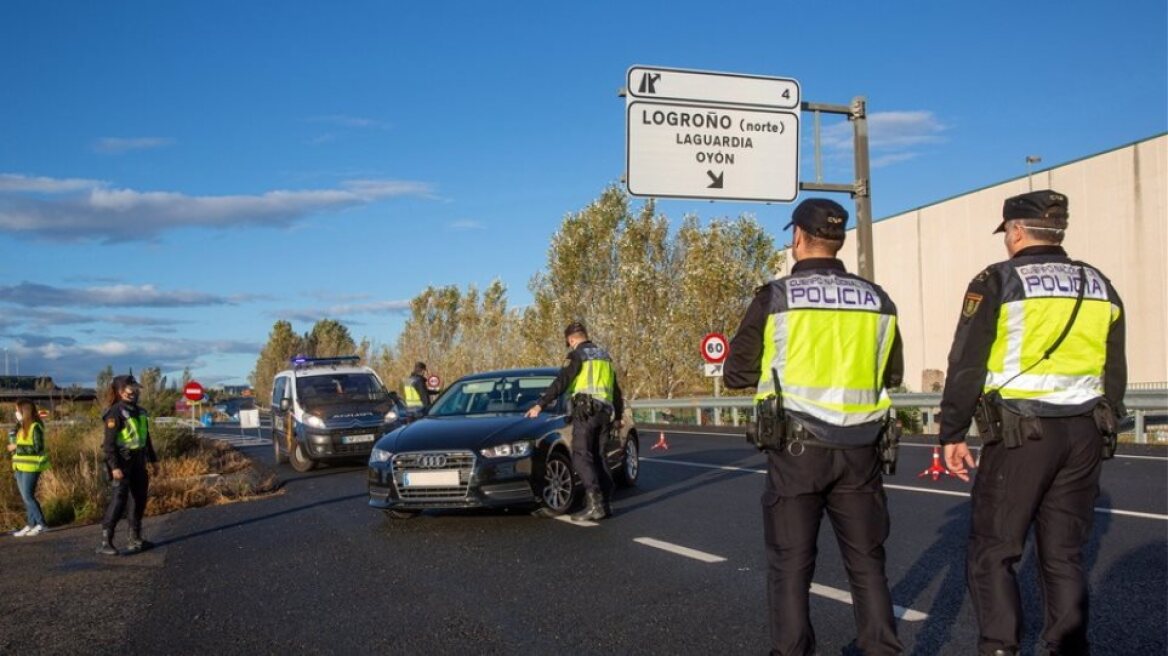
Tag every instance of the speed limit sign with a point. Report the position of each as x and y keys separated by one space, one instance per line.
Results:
x=715 y=348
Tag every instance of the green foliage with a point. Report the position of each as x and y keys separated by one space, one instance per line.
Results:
x=173 y=440
x=283 y=343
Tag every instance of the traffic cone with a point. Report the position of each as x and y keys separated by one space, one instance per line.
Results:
x=936 y=470
x=661 y=443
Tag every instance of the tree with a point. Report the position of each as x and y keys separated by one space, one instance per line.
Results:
x=104 y=378
x=283 y=343
x=329 y=338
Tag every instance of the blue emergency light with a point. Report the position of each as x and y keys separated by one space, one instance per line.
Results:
x=303 y=361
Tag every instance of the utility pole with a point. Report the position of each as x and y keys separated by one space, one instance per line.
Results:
x=1031 y=160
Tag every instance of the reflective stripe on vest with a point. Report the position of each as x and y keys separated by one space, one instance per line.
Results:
x=29 y=463
x=1037 y=301
x=133 y=435
x=829 y=346
x=412 y=398
x=596 y=377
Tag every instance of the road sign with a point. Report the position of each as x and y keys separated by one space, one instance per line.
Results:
x=714 y=370
x=714 y=348
x=716 y=136
x=44 y=414
x=249 y=418
x=433 y=383
x=649 y=82
x=193 y=391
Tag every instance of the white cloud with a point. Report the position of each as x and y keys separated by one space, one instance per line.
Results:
x=888 y=130
x=376 y=307
x=118 y=145
x=28 y=294
x=79 y=210
x=346 y=121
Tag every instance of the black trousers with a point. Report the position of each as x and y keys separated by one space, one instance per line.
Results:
x=848 y=485
x=588 y=452
x=1050 y=483
x=133 y=489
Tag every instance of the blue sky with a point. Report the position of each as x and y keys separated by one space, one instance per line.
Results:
x=175 y=177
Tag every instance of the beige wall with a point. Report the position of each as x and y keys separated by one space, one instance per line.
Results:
x=925 y=258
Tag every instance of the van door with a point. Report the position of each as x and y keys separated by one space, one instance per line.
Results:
x=279 y=392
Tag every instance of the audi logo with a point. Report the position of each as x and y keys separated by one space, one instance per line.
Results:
x=432 y=460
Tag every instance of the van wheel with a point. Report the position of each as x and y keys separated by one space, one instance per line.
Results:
x=300 y=460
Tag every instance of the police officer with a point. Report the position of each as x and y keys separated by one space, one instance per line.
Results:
x=127 y=449
x=417 y=396
x=597 y=406
x=829 y=339
x=1039 y=352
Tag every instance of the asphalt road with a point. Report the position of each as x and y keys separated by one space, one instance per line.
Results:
x=678 y=570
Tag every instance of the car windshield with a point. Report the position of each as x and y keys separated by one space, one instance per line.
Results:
x=482 y=396
x=326 y=389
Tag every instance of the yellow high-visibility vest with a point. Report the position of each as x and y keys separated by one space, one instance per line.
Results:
x=26 y=441
x=596 y=378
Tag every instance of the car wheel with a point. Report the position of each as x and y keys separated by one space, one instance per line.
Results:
x=630 y=463
x=559 y=490
x=300 y=460
x=394 y=513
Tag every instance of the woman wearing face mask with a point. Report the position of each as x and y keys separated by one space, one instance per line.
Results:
x=127 y=449
x=29 y=459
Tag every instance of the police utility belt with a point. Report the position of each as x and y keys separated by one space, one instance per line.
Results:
x=585 y=406
x=773 y=431
x=997 y=423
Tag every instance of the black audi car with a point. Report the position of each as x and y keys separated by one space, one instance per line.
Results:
x=476 y=448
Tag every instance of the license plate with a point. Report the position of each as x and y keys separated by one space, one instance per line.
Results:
x=356 y=439
x=448 y=478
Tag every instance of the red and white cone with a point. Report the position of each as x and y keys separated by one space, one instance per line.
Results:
x=661 y=443
x=936 y=470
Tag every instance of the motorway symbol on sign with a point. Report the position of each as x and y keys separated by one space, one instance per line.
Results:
x=651 y=82
x=714 y=348
x=714 y=370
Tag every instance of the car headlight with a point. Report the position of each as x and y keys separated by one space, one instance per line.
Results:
x=380 y=455
x=513 y=450
x=313 y=421
x=391 y=416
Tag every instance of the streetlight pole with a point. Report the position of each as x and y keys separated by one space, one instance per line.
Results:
x=1030 y=160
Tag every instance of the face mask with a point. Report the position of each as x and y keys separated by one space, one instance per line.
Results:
x=19 y=416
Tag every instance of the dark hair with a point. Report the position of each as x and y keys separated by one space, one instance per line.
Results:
x=114 y=393
x=29 y=414
x=820 y=243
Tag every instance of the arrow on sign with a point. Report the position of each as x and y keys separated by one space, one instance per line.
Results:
x=717 y=180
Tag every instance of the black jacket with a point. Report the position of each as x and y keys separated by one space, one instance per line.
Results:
x=977 y=329
x=418 y=382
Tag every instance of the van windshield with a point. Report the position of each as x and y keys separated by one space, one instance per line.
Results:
x=326 y=389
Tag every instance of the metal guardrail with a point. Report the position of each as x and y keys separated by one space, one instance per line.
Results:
x=741 y=408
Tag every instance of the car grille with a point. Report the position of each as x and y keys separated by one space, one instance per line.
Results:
x=421 y=461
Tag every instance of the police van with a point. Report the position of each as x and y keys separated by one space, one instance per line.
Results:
x=329 y=409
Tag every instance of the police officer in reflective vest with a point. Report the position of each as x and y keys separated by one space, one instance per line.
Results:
x=127 y=449
x=415 y=393
x=597 y=406
x=1038 y=361
x=821 y=346
x=29 y=460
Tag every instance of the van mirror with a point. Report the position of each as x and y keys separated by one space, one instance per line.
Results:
x=285 y=404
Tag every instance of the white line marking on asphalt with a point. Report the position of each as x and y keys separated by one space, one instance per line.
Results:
x=906 y=488
x=680 y=550
x=906 y=614
x=568 y=520
x=920 y=446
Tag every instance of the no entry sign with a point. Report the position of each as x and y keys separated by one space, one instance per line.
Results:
x=193 y=391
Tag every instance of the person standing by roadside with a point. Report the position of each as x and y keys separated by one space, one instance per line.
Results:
x=597 y=406
x=1039 y=358
x=29 y=459
x=822 y=347
x=417 y=396
x=127 y=449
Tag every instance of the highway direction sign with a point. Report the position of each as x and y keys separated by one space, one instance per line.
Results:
x=714 y=136
x=714 y=348
x=714 y=370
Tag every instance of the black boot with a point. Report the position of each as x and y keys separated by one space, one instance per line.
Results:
x=107 y=543
x=593 y=510
x=136 y=542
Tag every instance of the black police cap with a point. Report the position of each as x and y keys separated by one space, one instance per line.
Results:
x=120 y=382
x=820 y=217
x=575 y=327
x=1045 y=208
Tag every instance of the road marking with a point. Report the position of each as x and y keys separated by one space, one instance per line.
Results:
x=906 y=614
x=568 y=520
x=919 y=446
x=906 y=488
x=680 y=550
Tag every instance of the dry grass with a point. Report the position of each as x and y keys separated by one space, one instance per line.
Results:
x=190 y=473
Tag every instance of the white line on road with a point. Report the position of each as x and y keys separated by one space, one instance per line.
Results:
x=680 y=550
x=920 y=446
x=906 y=488
x=906 y=614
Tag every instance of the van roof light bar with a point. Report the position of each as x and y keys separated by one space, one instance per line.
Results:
x=303 y=362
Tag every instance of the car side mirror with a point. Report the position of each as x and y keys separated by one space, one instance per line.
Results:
x=285 y=404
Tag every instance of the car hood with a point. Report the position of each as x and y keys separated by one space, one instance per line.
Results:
x=473 y=432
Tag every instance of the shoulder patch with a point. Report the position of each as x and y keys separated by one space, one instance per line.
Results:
x=110 y=423
x=972 y=302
